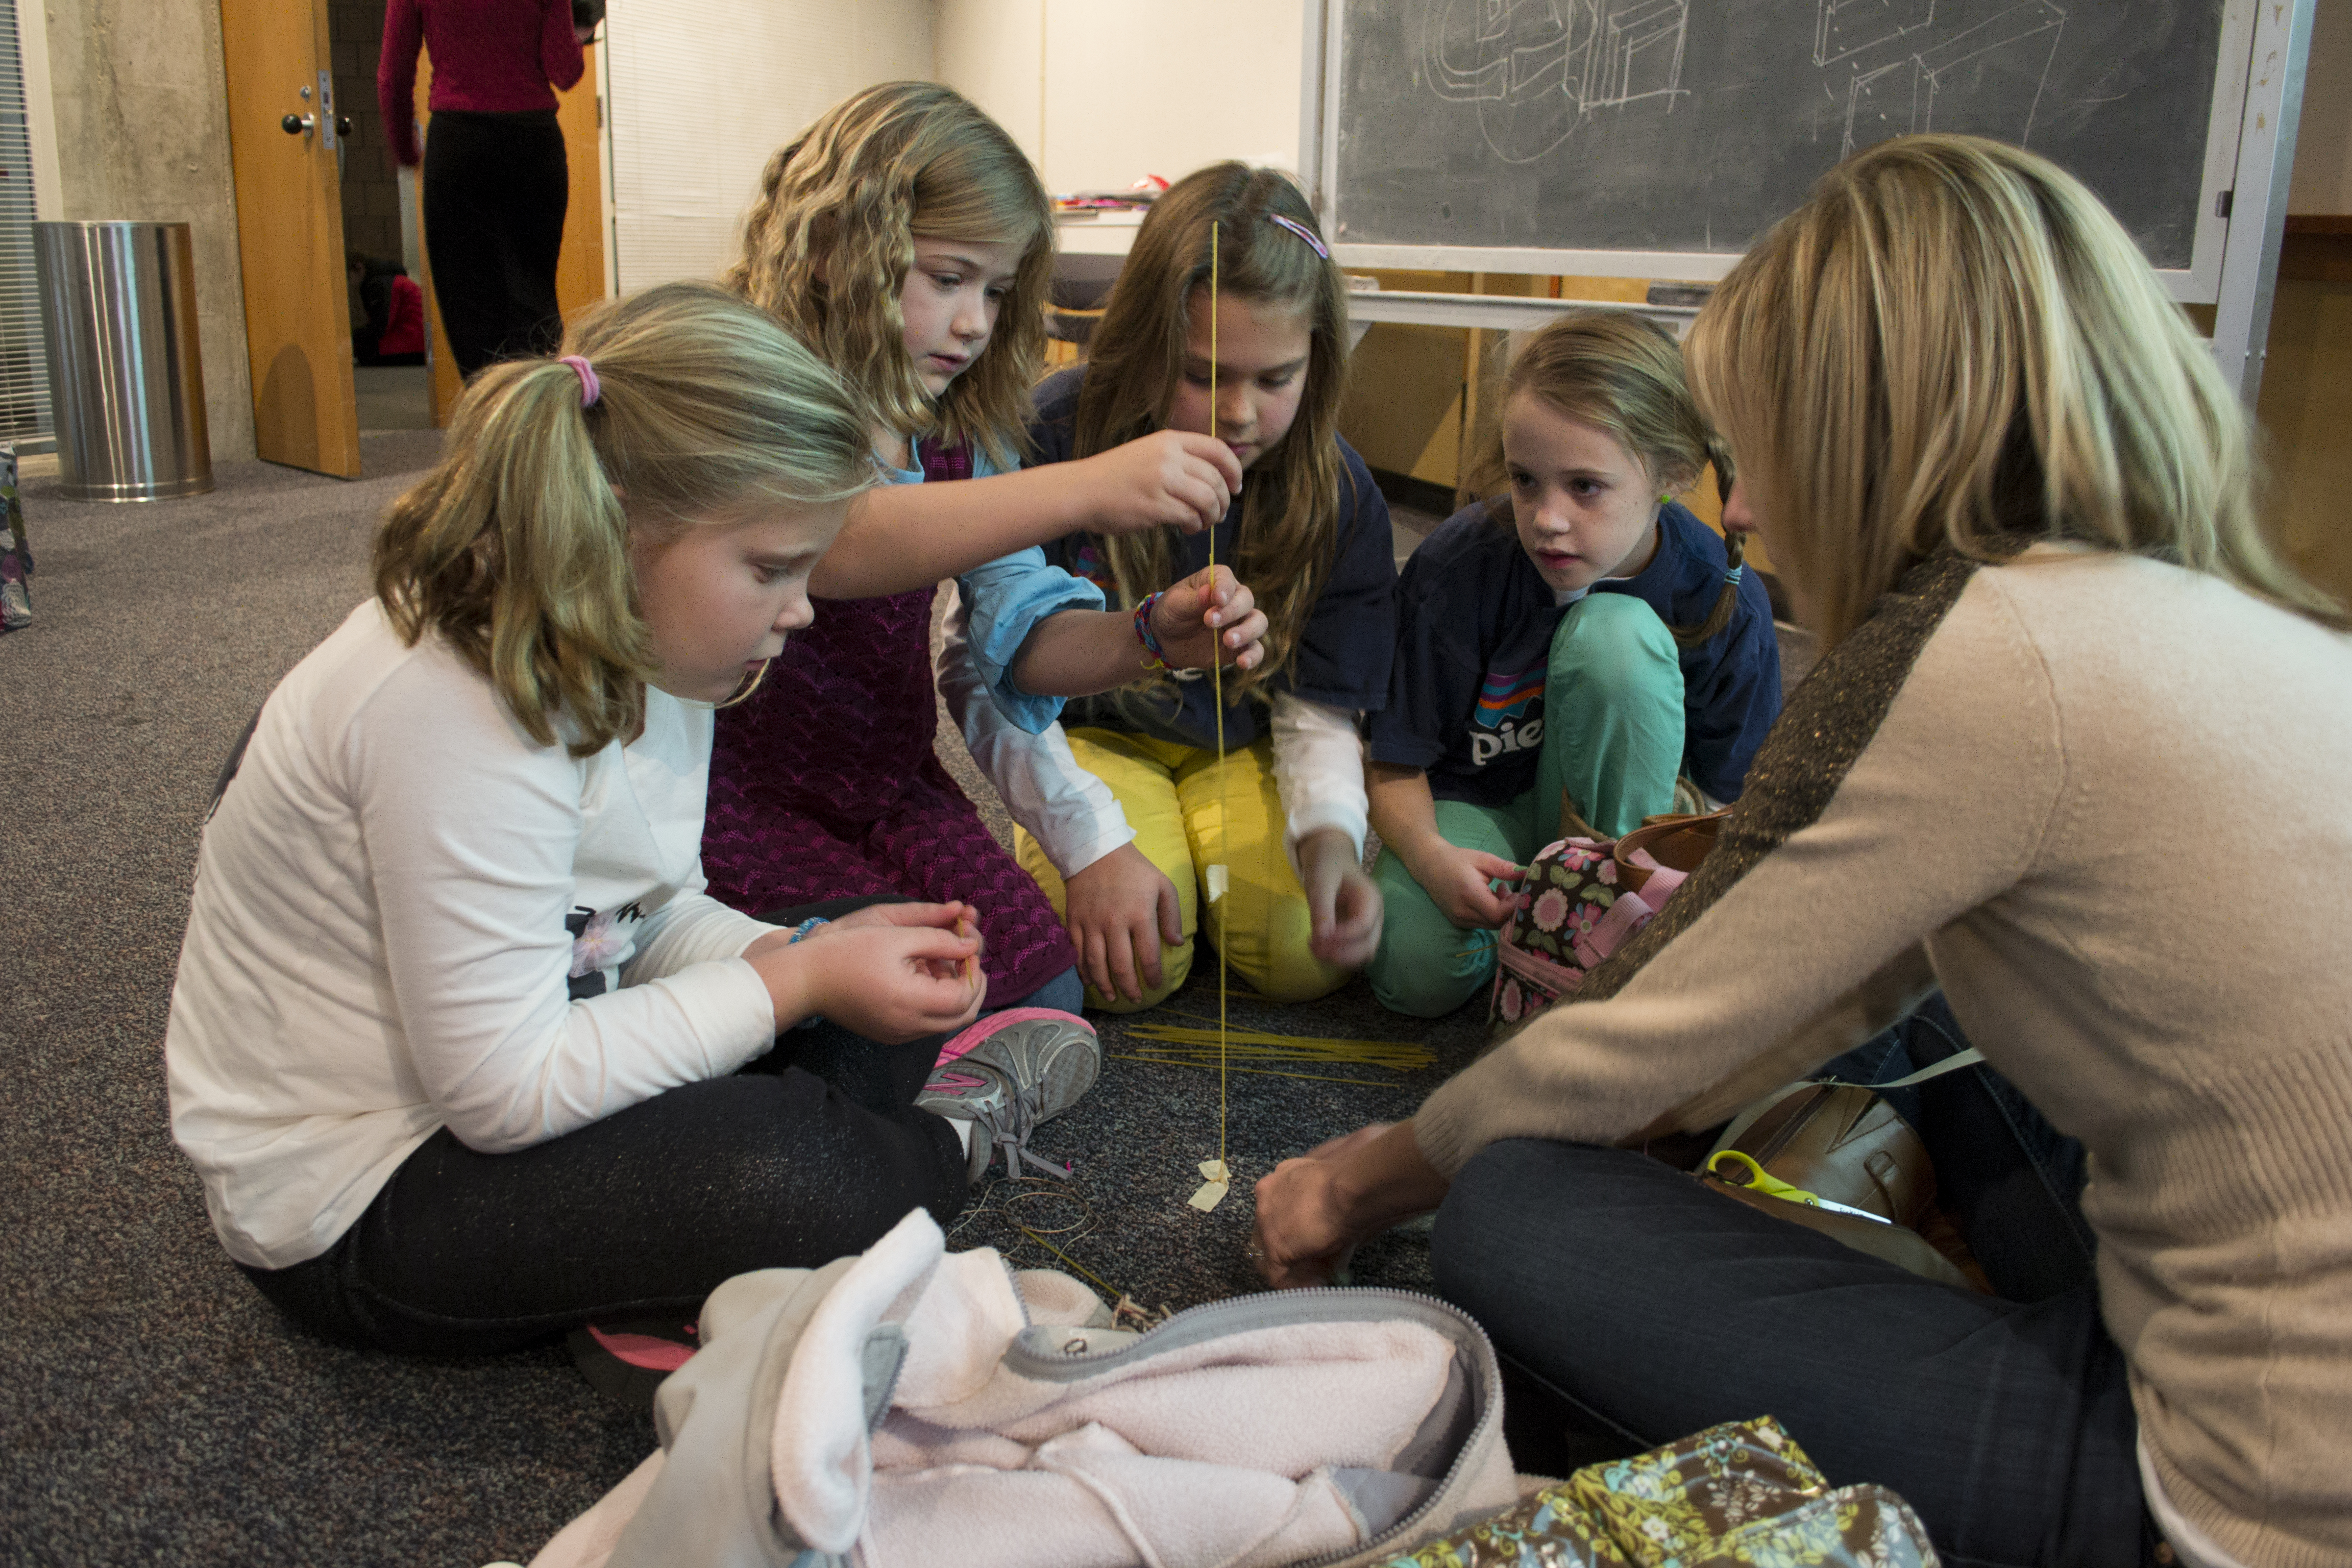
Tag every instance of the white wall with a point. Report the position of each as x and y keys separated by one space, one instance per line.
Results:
x=1130 y=87
x=2322 y=144
x=702 y=91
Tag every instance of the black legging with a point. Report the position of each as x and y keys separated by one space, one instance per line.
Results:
x=495 y=186
x=809 y=1153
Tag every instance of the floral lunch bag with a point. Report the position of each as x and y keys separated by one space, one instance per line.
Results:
x=1581 y=899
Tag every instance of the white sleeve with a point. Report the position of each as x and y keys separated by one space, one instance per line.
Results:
x=692 y=928
x=476 y=953
x=1319 y=770
x=1071 y=813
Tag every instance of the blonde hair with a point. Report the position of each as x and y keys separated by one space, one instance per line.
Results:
x=1953 y=342
x=515 y=549
x=1290 y=497
x=1622 y=374
x=827 y=247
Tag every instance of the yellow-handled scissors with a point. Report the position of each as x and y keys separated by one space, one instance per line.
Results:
x=1744 y=1171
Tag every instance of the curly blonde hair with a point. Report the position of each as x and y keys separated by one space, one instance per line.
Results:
x=827 y=247
x=515 y=550
x=1953 y=342
x=1290 y=497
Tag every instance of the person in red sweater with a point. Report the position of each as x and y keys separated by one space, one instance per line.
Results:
x=496 y=182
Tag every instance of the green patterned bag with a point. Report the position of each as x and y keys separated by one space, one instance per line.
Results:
x=1742 y=1495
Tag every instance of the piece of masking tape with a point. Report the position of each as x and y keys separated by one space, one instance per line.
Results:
x=1211 y=1194
x=1214 y=1171
x=1215 y=878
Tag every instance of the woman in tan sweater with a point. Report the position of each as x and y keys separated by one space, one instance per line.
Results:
x=2076 y=755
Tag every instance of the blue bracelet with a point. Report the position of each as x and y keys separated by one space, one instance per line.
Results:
x=799 y=930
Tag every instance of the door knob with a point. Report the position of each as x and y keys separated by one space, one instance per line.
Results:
x=299 y=124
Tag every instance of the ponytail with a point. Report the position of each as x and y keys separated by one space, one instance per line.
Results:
x=1735 y=557
x=516 y=549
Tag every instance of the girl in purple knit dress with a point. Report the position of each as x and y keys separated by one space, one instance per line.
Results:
x=906 y=238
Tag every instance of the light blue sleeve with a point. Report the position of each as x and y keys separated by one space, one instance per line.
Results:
x=1004 y=600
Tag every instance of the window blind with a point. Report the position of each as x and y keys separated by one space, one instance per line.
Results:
x=23 y=377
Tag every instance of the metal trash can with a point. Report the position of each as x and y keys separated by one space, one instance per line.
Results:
x=118 y=320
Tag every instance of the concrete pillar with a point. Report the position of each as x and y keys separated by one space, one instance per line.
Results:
x=141 y=107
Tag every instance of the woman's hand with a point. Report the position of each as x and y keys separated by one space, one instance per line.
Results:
x=1314 y=1210
x=892 y=973
x=1167 y=477
x=1210 y=618
x=1458 y=881
x=1119 y=911
x=1343 y=904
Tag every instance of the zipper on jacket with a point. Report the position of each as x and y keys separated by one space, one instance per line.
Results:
x=1354 y=1293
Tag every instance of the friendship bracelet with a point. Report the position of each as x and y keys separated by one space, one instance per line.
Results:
x=1155 y=656
x=799 y=930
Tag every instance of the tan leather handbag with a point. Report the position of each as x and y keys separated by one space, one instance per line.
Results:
x=1837 y=1158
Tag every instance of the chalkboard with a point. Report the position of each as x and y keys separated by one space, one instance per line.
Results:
x=1687 y=126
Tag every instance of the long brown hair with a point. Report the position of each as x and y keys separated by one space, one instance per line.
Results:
x=1620 y=373
x=515 y=549
x=1953 y=342
x=827 y=247
x=1290 y=497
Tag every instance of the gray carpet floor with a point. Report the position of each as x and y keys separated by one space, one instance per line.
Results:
x=154 y=1408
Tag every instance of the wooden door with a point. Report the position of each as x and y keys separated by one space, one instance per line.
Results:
x=580 y=270
x=289 y=233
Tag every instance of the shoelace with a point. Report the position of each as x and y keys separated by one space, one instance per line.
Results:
x=1010 y=1132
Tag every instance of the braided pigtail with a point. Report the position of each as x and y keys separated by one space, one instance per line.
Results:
x=1735 y=552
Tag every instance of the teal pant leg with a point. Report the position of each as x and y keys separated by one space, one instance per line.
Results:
x=1426 y=965
x=1612 y=716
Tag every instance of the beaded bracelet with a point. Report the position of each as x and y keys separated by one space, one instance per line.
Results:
x=1155 y=656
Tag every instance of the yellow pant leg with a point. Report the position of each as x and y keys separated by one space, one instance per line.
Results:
x=1140 y=773
x=1234 y=817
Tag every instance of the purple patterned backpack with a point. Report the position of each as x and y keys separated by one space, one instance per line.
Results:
x=1583 y=896
x=15 y=555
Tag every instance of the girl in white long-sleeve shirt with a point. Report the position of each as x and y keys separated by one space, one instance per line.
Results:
x=456 y=1037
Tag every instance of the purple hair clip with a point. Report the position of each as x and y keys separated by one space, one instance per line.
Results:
x=1314 y=240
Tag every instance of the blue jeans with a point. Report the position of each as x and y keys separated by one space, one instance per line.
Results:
x=1065 y=993
x=1631 y=1307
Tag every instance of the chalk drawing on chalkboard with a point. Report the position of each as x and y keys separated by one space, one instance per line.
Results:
x=1540 y=69
x=1846 y=27
x=1985 y=81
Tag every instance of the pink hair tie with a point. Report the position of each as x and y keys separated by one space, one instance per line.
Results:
x=589 y=390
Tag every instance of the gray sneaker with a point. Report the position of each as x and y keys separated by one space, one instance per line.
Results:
x=1008 y=1074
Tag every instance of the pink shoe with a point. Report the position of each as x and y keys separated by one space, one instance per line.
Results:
x=1055 y=1053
